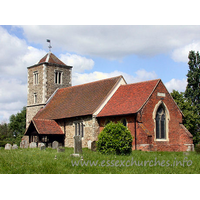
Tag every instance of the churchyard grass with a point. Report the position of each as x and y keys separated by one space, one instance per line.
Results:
x=36 y=161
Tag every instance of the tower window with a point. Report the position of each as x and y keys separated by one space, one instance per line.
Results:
x=35 y=97
x=161 y=123
x=35 y=78
x=58 y=77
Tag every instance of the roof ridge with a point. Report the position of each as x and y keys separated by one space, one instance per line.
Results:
x=143 y=82
x=91 y=82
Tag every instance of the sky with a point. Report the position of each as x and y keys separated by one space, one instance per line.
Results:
x=137 y=52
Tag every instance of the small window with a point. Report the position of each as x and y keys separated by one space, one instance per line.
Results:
x=107 y=122
x=124 y=122
x=35 y=97
x=58 y=77
x=79 y=130
x=35 y=78
x=161 y=123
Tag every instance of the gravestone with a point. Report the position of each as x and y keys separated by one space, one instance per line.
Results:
x=77 y=144
x=93 y=146
x=40 y=144
x=8 y=146
x=33 y=145
x=89 y=144
x=60 y=149
x=14 y=146
x=49 y=145
x=55 y=145
x=42 y=147
x=24 y=144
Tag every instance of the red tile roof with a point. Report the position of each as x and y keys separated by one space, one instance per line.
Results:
x=78 y=100
x=46 y=127
x=128 y=99
x=51 y=58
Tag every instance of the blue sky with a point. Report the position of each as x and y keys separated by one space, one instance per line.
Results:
x=139 y=53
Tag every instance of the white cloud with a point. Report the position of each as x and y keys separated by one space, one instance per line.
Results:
x=176 y=84
x=141 y=75
x=114 y=42
x=15 y=57
x=181 y=54
x=79 y=63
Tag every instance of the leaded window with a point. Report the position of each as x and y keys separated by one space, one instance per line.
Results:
x=161 y=123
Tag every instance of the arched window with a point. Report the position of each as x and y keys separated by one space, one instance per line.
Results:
x=161 y=123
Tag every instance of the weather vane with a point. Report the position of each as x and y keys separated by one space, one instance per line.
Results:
x=49 y=41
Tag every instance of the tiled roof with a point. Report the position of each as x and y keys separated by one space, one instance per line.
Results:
x=45 y=126
x=128 y=99
x=51 y=58
x=78 y=100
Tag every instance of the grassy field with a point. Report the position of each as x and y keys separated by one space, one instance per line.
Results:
x=35 y=161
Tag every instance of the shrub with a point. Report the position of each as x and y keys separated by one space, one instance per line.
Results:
x=197 y=148
x=116 y=139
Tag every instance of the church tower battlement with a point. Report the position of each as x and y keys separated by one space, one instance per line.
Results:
x=44 y=78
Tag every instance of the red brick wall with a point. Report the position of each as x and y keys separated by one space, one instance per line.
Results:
x=178 y=139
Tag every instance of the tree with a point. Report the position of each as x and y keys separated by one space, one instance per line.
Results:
x=191 y=118
x=193 y=87
x=116 y=139
x=17 y=125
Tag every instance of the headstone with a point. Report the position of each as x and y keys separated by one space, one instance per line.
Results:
x=93 y=146
x=14 y=146
x=49 y=145
x=8 y=146
x=40 y=144
x=55 y=145
x=89 y=144
x=24 y=144
x=42 y=147
x=33 y=145
x=77 y=144
x=60 y=149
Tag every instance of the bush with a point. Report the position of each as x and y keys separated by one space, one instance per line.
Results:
x=115 y=139
x=197 y=148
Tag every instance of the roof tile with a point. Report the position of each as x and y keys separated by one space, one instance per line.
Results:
x=128 y=99
x=77 y=100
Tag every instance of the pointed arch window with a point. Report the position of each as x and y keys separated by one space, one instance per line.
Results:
x=161 y=123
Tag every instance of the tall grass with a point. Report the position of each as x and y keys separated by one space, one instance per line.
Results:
x=35 y=161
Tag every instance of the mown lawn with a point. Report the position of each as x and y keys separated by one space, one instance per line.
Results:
x=35 y=161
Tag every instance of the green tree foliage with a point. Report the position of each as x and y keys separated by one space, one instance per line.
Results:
x=191 y=118
x=116 y=139
x=193 y=87
x=13 y=131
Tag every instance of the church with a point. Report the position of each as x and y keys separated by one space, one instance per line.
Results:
x=57 y=111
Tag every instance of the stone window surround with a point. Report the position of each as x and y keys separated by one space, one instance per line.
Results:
x=58 y=77
x=79 y=124
x=167 y=118
x=35 y=98
x=35 y=78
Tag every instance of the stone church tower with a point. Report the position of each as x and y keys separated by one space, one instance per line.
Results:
x=44 y=78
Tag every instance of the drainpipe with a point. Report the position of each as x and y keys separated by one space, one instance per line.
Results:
x=135 y=132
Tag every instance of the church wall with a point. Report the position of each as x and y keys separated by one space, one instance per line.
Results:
x=33 y=108
x=91 y=129
x=32 y=88
x=173 y=142
x=51 y=86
